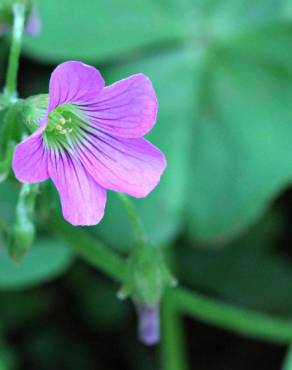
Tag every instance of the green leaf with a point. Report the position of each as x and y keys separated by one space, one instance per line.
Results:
x=241 y=150
x=246 y=272
x=46 y=260
x=98 y=30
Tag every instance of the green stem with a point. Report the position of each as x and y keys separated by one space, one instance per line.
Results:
x=133 y=216
x=228 y=317
x=93 y=252
x=18 y=26
x=173 y=354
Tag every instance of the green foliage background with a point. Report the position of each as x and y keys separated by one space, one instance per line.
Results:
x=223 y=75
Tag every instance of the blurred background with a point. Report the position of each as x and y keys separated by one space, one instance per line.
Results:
x=223 y=75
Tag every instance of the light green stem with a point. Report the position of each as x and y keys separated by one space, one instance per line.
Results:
x=133 y=217
x=17 y=32
x=173 y=347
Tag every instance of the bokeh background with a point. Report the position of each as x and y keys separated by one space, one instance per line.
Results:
x=223 y=75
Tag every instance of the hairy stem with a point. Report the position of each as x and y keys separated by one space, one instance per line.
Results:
x=133 y=217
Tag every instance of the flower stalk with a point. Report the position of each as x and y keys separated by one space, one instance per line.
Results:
x=140 y=234
x=17 y=32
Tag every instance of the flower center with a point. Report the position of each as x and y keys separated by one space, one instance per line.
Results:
x=64 y=128
x=60 y=122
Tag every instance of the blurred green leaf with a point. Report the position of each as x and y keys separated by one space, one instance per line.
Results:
x=98 y=30
x=241 y=149
x=46 y=260
x=249 y=272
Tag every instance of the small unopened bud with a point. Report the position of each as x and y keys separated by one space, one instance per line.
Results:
x=146 y=279
x=23 y=232
x=22 y=238
x=149 y=323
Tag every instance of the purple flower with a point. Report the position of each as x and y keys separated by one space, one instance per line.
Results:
x=91 y=140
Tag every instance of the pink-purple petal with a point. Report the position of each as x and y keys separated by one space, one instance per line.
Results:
x=30 y=159
x=128 y=108
x=131 y=166
x=73 y=82
x=83 y=200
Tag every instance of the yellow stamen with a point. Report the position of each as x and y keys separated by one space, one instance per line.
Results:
x=62 y=121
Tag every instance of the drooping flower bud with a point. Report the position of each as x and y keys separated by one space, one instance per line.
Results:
x=146 y=279
x=23 y=232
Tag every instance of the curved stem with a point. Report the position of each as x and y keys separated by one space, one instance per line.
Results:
x=228 y=317
x=133 y=216
x=18 y=25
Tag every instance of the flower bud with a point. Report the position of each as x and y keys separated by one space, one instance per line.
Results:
x=22 y=239
x=23 y=232
x=147 y=277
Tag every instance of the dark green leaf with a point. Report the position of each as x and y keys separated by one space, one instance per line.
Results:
x=46 y=260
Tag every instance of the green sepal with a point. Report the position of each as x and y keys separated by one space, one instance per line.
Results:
x=33 y=109
x=147 y=275
x=12 y=129
x=23 y=232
